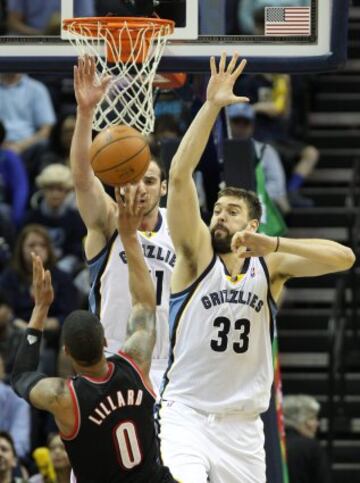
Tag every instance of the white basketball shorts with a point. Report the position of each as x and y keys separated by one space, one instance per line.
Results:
x=201 y=448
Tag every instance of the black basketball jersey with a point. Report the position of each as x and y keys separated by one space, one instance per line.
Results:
x=114 y=436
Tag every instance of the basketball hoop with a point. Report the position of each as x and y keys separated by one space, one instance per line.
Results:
x=129 y=49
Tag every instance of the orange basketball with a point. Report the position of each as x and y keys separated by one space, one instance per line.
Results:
x=120 y=155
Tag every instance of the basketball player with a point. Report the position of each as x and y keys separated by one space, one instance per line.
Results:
x=105 y=414
x=103 y=247
x=224 y=287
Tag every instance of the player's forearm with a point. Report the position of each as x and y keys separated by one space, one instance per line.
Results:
x=82 y=172
x=140 y=284
x=194 y=142
x=38 y=317
x=326 y=252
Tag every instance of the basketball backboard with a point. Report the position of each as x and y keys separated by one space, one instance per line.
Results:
x=274 y=35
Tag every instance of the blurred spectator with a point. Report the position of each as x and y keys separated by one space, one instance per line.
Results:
x=58 y=459
x=10 y=334
x=166 y=127
x=27 y=113
x=306 y=458
x=52 y=207
x=16 y=282
x=60 y=142
x=169 y=102
x=14 y=184
x=7 y=240
x=247 y=10
x=271 y=95
x=15 y=416
x=242 y=125
x=42 y=17
x=8 y=460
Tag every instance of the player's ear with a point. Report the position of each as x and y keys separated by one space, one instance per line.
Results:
x=253 y=225
x=163 y=187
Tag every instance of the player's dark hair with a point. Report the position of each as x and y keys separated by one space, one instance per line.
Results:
x=7 y=436
x=83 y=337
x=251 y=199
x=155 y=156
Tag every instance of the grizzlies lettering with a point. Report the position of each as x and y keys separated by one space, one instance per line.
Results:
x=158 y=253
x=232 y=297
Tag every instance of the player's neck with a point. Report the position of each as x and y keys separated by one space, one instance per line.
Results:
x=233 y=263
x=98 y=370
x=150 y=220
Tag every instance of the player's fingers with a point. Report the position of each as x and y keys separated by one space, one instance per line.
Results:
x=105 y=81
x=119 y=198
x=247 y=254
x=240 y=100
x=76 y=77
x=47 y=280
x=212 y=65
x=232 y=63
x=92 y=66
x=222 y=63
x=237 y=72
x=87 y=65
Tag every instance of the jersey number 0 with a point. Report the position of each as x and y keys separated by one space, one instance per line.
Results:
x=128 y=445
x=242 y=326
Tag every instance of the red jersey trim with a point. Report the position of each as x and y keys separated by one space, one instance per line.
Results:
x=102 y=380
x=131 y=361
x=76 y=409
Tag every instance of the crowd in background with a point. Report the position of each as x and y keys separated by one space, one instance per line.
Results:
x=38 y=210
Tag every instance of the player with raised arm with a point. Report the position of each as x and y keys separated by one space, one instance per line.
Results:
x=105 y=413
x=224 y=287
x=103 y=247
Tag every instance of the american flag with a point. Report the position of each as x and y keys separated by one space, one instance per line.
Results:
x=285 y=21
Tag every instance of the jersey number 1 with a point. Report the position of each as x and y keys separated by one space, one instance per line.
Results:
x=221 y=343
x=128 y=445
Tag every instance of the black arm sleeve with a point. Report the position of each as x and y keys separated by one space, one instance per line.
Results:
x=24 y=375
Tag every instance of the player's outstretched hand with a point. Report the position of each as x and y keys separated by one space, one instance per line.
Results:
x=130 y=207
x=221 y=84
x=256 y=244
x=89 y=89
x=42 y=288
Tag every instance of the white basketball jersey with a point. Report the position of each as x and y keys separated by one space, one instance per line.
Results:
x=221 y=341
x=110 y=296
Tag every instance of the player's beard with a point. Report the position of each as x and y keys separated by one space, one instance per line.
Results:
x=221 y=244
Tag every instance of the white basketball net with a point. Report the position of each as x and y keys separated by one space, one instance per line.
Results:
x=129 y=99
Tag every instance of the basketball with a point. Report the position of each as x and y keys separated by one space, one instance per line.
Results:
x=120 y=155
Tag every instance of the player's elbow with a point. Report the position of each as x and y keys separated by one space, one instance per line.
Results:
x=347 y=260
x=178 y=175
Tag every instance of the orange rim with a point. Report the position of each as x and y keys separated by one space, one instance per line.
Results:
x=112 y=24
x=109 y=27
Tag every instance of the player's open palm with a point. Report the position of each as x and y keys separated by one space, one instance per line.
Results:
x=221 y=85
x=256 y=244
x=131 y=206
x=42 y=289
x=89 y=89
